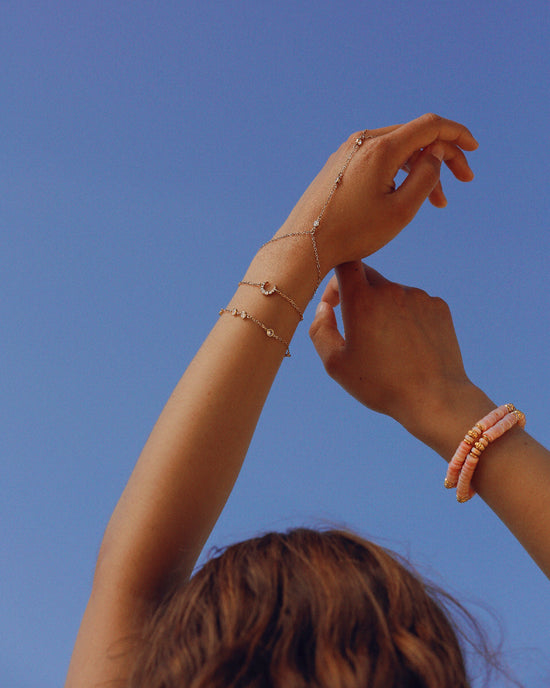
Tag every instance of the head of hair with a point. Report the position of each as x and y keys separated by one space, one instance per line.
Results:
x=302 y=608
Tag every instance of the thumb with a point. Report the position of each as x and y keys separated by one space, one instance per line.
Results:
x=422 y=179
x=328 y=342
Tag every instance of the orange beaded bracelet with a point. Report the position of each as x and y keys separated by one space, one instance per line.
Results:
x=464 y=462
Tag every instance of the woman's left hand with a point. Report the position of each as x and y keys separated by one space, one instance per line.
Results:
x=367 y=210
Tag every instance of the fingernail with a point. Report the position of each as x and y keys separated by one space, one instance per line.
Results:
x=437 y=151
x=321 y=307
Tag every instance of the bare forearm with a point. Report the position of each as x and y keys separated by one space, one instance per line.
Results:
x=195 y=451
x=400 y=356
x=512 y=477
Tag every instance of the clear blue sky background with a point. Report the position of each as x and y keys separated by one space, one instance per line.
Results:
x=146 y=150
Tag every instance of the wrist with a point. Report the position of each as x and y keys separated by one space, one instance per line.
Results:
x=442 y=423
x=290 y=263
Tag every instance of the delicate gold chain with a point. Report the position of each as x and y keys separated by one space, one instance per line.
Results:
x=268 y=291
x=313 y=231
x=268 y=330
x=272 y=288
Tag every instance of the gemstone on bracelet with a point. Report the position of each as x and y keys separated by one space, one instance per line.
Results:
x=267 y=292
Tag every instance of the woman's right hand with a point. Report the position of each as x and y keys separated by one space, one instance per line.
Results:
x=399 y=356
x=367 y=211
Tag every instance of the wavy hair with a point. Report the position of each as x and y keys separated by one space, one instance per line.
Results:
x=302 y=608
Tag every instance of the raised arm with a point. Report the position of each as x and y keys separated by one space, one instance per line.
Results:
x=400 y=356
x=192 y=458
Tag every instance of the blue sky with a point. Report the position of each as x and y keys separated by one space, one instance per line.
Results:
x=146 y=150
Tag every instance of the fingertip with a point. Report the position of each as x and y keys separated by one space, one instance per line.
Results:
x=322 y=308
x=324 y=316
x=466 y=140
x=470 y=145
x=439 y=202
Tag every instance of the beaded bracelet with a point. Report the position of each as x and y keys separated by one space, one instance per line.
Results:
x=464 y=462
x=268 y=330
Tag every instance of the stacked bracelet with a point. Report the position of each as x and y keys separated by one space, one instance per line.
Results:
x=268 y=330
x=464 y=462
x=267 y=289
x=272 y=289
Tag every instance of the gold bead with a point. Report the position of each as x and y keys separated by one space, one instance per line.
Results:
x=511 y=408
x=480 y=446
x=448 y=484
x=475 y=452
x=269 y=332
x=521 y=418
x=461 y=500
x=468 y=439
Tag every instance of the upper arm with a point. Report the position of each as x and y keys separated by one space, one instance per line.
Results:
x=108 y=637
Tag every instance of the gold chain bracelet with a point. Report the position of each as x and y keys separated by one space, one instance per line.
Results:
x=272 y=289
x=268 y=330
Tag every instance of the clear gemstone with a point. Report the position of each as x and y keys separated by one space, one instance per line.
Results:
x=267 y=292
x=269 y=332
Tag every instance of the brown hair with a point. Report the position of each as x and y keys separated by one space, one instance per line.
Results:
x=303 y=608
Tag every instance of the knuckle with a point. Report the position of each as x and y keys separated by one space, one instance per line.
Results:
x=397 y=292
x=420 y=294
x=383 y=145
x=440 y=305
x=432 y=118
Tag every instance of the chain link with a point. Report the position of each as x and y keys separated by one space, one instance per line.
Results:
x=268 y=330
x=313 y=231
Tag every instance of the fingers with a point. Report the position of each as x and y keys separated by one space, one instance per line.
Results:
x=331 y=295
x=437 y=196
x=351 y=278
x=422 y=181
x=423 y=131
x=355 y=284
x=346 y=287
x=328 y=342
x=455 y=160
